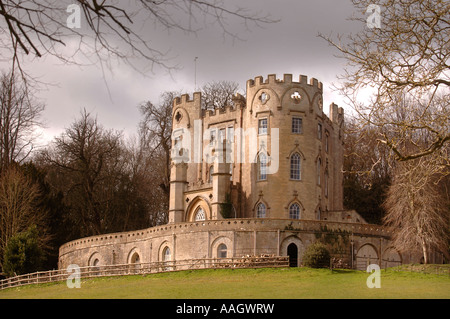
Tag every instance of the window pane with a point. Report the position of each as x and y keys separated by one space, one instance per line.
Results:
x=261 y=210
x=230 y=134
x=222 y=251
x=166 y=254
x=295 y=166
x=319 y=131
x=294 y=211
x=262 y=167
x=221 y=136
x=262 y=126
x=200 y=215
x=212 y=137
x=297 y=125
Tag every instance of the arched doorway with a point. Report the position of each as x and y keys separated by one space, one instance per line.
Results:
x=391 y=258
x=365 y=256
x=292 y=251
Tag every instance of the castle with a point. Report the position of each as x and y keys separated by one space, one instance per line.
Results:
x=261 y=176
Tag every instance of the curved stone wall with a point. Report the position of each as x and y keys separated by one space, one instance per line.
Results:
x=232 y=238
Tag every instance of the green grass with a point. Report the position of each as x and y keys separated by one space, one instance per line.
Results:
x=286 y=283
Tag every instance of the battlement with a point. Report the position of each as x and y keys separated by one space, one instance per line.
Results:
x=185 y=99
x=287 y=79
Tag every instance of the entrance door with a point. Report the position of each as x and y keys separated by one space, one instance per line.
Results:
x=292 y=252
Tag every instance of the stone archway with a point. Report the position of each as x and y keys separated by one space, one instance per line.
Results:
x=367 y=254
x=292 y=246
x=292 y=252
x=391 y=258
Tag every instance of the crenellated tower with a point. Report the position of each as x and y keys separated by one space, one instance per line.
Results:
x=274 y=153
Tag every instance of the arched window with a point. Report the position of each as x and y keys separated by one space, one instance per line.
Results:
x=262 y=167
x=222 y=251
x=295 y=167
x=260 y=210
x=294 y=211
x=166 y=254
x=200 y=214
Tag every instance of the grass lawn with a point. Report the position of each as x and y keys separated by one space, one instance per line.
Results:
x=285 y=283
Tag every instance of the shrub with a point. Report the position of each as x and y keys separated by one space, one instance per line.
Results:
x=22 y=253
x=316 y=256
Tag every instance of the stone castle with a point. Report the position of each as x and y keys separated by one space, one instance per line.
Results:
x=260 y=176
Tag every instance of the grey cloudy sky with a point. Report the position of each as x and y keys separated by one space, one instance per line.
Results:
x=289 y=46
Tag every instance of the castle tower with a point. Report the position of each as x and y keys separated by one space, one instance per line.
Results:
x=286 y=153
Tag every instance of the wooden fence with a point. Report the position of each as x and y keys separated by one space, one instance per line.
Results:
x=145 y=268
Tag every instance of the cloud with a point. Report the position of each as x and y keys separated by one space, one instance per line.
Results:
x=289 y=46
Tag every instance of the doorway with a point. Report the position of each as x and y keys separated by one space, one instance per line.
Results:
x=292 y=251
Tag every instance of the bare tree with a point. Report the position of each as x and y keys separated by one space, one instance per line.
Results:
x=216 y=95
x=109 y=29
x=86 y=163
x=404 y=59
x=417 y=209
x=18 y=210
x=155 y=131
x=368 y=168
x=19 y=118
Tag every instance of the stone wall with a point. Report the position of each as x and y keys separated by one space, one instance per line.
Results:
x=241 y=237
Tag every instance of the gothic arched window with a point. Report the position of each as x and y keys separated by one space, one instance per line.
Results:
x=261 y=210
x=200 y=214
x=262 y=167
x=222 y=251
x=294 y=211
x=295 y=166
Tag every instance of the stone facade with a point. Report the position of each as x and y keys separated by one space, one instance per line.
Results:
x=279 y=120
x=262 y=176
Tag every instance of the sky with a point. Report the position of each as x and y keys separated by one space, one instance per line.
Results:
x=288 y=46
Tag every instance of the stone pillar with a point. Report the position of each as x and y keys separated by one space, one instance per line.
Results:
x=178 y=182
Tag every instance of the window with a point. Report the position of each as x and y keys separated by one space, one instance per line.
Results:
x=296 y=97
x=230 y=134
x=264 y=97
x=326 y=142
x=295 y=167
x=261 y=210
x=135 y=258
x=294 y=211
x=222 y=251
x=262 y=167
x=319 y=169
x=200 y=214
x=262 y=126
x=166 y=254
x=326 y=184
x=221 y=136
x=212 y=137
x=319 y=131
x=297 y=127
